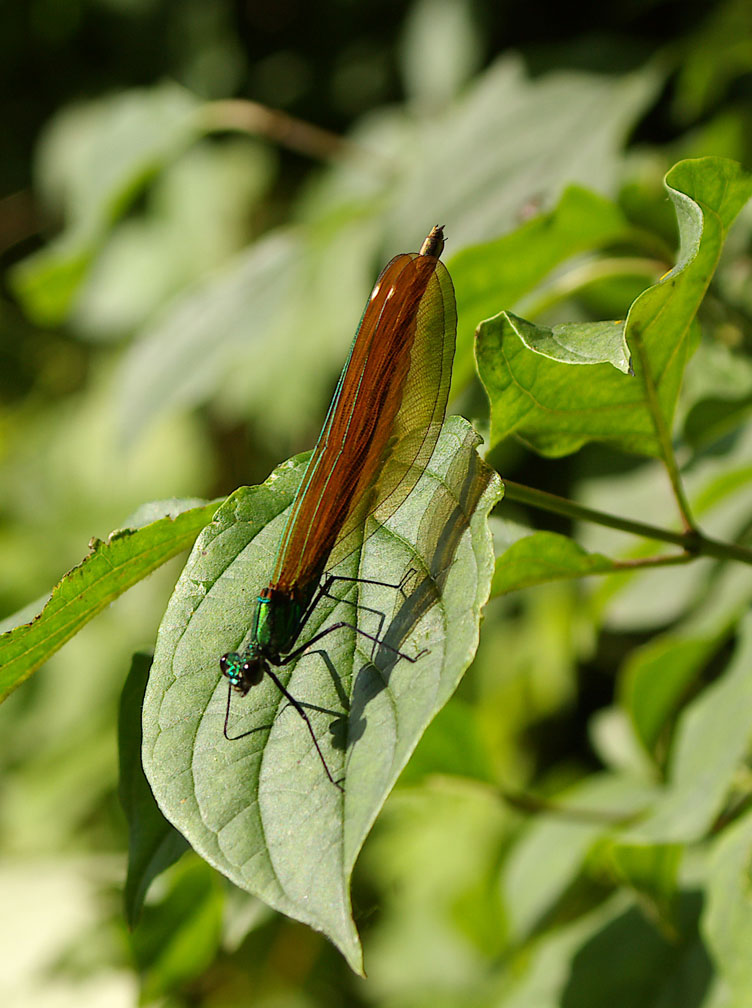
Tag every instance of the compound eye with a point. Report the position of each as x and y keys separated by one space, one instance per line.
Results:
x=224 y=664
x=253 y=672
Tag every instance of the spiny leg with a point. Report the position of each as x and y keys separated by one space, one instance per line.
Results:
x=323 y=592
x=338 y=626
x=291 y=702
x=298 y=707
x=234 y=738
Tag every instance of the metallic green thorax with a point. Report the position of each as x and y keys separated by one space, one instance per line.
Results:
x=277 y=621
x=276 y=624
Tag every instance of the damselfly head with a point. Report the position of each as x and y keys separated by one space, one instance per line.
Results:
x=243 y=671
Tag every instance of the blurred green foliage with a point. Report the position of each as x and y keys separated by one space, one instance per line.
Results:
x=183 y=276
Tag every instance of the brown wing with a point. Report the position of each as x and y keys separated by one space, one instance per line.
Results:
x=418 y=421
x=383 y=422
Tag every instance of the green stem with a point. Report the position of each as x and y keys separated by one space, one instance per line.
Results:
x=664 y=437
x=664 y=560
x=251 y=117
x=524 y=801
x=532 y=804
x=693 y=542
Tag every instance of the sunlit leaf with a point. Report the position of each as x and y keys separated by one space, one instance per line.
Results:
x=555 y=406
x=544 y=556
x=111 y=568
x=261 y=809
x=498 y=273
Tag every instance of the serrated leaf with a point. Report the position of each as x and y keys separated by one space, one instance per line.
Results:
x=557 y=407
x=110 y=569
x=502 y=271
x=545 y=556
x=261 y=809
x=153 y=843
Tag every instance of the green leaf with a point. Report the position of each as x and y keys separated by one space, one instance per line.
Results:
x=502 y=271
x=656 y=676
x=453 y=744
x=557 y=407
x=260 y=300
x=261 y=809
x=717 y=392
x=561 y=841
x=712 y=737
x=447 y=27
x=178 y=937
x=433 y=859
x=545 y=556
x=153 y=843
x=96 y=158
x=110 y=569
x=710 y=419
x=651 y=870
x=578 y=343
x=193 y=217
x=178 y=360
x=614 y=956
x=727 y=918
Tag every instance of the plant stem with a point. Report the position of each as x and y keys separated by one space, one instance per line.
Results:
x=524 y=801
x=693 y=542
x=664 y=435
x=297 y=135
x=664 y=560
x=531 y=804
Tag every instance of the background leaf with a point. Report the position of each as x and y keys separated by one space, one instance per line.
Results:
x=712 y=737
x=94 y=163
x=558 y=407
x=544 y=556
x=503 y=271
x=154 y=844
x=728 y=913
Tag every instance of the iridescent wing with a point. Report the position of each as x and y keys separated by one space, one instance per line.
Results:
x=383 y=421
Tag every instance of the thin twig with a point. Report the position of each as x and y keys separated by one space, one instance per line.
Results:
x=664 y=435
x=693 y=542
x=300 y=136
